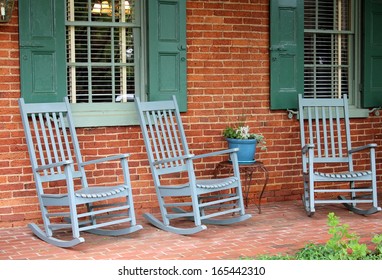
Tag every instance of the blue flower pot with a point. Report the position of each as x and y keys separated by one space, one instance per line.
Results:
x=247 y=149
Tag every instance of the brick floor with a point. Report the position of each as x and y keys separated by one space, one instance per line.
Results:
x=280 y=228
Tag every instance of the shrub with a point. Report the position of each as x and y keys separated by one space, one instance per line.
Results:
x=343 y=245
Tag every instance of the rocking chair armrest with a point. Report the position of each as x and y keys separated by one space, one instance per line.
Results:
x=54 y=165
x=365 y=147
x=172 y=159
x=306 y=148
x=217 y=153
x=192 y=156
x=109 y=158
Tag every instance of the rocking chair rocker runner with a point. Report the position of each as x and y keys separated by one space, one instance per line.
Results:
x=328 y=158
x=104 y=211
x=204 y=201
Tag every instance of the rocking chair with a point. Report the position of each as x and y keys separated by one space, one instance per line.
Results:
x=204 y=201
x=328 y=158
x=66 y=200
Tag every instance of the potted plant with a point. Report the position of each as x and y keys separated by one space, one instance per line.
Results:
x=240 y=137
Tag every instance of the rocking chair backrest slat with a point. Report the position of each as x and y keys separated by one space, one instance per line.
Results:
x=162 y=137
x=173 y=146
x=332 y=131
x=327 y=128
x=66 y=150
x=38 y=142
x=177 y=146
x=48 y=138
x=339 y=133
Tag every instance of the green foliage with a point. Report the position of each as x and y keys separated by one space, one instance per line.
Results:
x=231 y=132
x=377 y=240
x=343 y=245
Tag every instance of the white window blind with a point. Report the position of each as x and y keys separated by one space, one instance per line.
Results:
x=102 y=40
x=328 y=45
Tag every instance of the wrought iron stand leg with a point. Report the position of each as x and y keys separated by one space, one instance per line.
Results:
x=247 y=184
x=264 y=186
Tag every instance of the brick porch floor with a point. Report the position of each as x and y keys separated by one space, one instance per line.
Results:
x=280 y=228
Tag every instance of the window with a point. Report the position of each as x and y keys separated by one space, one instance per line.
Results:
x=103 y=41
x=328 y=48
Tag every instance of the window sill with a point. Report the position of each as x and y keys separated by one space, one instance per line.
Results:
x=123 y=114
x=353 y=113
x=358 y=112
x=102 y=114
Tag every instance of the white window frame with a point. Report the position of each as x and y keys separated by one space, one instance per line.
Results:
x=354 y=93
x=116 y=114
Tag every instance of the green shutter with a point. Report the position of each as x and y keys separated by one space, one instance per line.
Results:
x=42 y=50
x=286 y=52
x=167 y=63
x=372 y=70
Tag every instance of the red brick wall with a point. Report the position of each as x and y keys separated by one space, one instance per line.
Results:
x=228 y=75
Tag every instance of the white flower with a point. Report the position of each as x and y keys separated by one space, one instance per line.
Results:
x=244 y=132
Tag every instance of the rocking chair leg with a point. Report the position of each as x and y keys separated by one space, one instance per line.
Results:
x=184 y=231
x=119 y=232
x=227 y=221
x=218 y=221
x=305 y=201
x=54 y=241
x=357 y=210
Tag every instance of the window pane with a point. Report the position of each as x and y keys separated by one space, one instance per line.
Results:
x=80 y=44
x=101 y=44
x=81 y=10
x=327 y=14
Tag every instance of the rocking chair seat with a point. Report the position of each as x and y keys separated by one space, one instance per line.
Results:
x=92 y=192
x=345 y=175
x=98 y=192
x=216 y=183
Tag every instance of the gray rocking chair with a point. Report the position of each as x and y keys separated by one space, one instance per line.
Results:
x=204 y=201
x=66 y=200
x=327 y=158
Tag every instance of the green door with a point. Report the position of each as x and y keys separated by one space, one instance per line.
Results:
x=372 y=70
x=286 y=52
x=167 y=63
x=42 y=50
